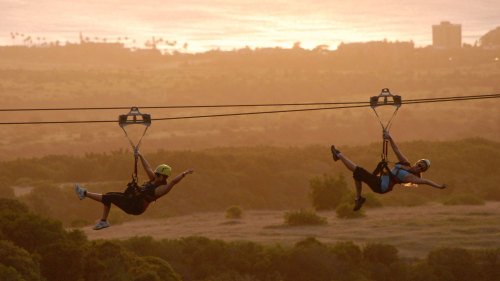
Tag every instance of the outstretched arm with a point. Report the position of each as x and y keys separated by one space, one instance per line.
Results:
x=145 y=165
x=416 y=180
x=395 y=148
x=164 y=189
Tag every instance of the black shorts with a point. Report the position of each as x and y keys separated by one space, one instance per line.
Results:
x=135 y=205
x=370 y=179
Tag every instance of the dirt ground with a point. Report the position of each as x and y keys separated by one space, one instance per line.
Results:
x=413 y=230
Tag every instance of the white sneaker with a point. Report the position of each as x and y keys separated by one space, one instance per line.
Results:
x=101 y=225
x=80 y=191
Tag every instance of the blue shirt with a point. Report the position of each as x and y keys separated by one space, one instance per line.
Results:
x=398 y=172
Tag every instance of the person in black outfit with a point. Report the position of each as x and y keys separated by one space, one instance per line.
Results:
x=135 y=199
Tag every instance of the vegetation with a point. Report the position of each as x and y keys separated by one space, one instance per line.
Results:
x=304 y=217
x=234 y=212
x=326 y=194
x=344 y=211
x=107 y=75
x=33 y=247
x=225 y=177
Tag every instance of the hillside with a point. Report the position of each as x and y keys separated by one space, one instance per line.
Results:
x=91 y=76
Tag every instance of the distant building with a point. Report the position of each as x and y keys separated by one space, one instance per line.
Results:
x=447 y=35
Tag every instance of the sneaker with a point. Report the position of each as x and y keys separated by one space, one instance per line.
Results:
x=100 y=225
x=335 y=153
x=81 y=192
x=358 y=203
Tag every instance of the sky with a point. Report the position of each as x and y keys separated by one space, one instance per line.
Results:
x=227 y=24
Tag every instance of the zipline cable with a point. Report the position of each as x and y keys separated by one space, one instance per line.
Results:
x=183 y=106
x=243 y=105
x=184 y=117
x=364 y=104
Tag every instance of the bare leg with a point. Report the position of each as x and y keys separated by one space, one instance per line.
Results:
x=105 y=212
x=358 y=188
x=94 y=196
x=98 y=197
x=348 y=163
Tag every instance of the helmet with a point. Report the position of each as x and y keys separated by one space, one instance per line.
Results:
x=164 y=169
x=427 y=162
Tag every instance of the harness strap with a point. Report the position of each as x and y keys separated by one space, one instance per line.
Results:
x=135 y=148
x=383 y=168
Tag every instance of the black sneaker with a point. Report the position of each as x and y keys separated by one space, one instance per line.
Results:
x=358 y=203
x=335 y=153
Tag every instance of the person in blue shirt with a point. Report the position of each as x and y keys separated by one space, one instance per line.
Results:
x=403 y=172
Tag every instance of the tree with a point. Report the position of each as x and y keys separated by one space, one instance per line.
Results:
x=327 y=193
x=492 y=38
x=15 y=261
x=453 y=264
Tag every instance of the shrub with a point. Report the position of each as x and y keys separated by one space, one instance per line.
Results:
x=344 y=211
x=234 y=212
x=304 y=217
x=327 y=193
x=464 y=199
x=372 y=201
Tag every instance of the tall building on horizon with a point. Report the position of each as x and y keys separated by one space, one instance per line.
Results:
x=447 y=35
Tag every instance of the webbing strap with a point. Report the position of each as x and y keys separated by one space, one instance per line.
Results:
x=396 y=101
x=136 y=118
x=135 y=148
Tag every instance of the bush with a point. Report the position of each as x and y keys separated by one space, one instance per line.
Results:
x=304 y=217
x=327 y=193
x=464 y=199
x=234 y=212
x=372 y=201
x=344 y=211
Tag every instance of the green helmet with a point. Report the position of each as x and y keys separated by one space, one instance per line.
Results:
x=164 y=169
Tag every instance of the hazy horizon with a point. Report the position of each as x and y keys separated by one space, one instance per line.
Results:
x=230 y=25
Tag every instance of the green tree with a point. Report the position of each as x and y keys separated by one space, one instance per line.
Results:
x=327 y=192
x=153 y=268
x=383 y=263
x=453 y=264
x=310 y=260
x=15 y=261
x=64 y=254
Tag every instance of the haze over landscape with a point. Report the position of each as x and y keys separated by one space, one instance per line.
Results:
x=266 y=201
